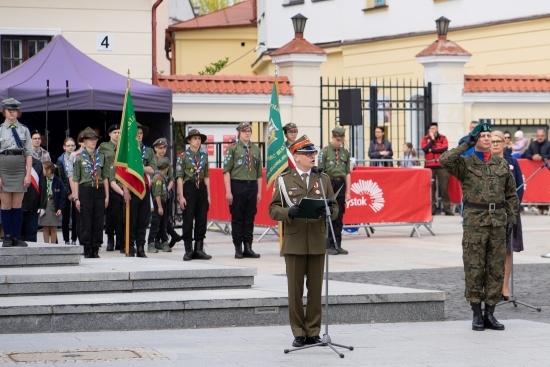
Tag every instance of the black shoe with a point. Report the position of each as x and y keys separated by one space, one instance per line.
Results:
x=449 y=213
x=110 y=246
x=188 y=255
x=8 y=242
x=314 y=340
x=489 y=320
x=299 y=341
x=477 y=322
x=248 y=252
x=158 y=245
x=332 y=251
x=239 y=251
x=199 y=253
x=341 y=251
x=95 y=253
x=174 y=240
x=505 y=298
x=18 y=242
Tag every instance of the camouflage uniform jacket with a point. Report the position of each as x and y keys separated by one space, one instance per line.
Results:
x=483 y=183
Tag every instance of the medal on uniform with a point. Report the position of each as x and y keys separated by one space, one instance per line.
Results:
x=317 y=192
x=290 y=192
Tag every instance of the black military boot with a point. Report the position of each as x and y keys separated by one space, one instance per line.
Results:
x=188 y=255
x=238 y=250
x=87 y=252
x=199 y=253
x=140 y=251
x=248 y=251
x=110 y=242
x=174 y=239
x=95 y=253
x=477 y=323
x=8 y=242
x=489 y=320
x=131 y=251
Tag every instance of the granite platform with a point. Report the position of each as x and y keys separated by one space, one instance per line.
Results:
x=40 y=254
x=125 y=274
x=265 y=303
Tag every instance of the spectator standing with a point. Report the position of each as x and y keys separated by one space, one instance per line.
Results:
x=55 y=193
x=408 y=158
x=34 y=202
x=37 y=151
x=65 y=167
x=519 y=145
x=507 y=143
x=473 y=124
x=537 y=151
x=498 y=148
x=380 y=149
x=434 y=145
x=335 y=161
x=242 y=177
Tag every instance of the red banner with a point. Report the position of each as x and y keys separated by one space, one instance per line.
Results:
x=537 y=190
x=389 y=195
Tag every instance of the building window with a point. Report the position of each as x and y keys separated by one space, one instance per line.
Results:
x=376 y=4
x=292 y=2
x=18 y=49
x=379 y=2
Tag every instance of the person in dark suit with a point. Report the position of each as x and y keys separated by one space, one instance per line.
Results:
x=34 y=202
x=55 y=191
x=304 y=240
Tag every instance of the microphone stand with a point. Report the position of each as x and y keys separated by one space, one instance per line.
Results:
x=512 y=299
x=328 y=224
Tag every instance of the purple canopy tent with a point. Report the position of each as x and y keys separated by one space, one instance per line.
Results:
x=92 y=86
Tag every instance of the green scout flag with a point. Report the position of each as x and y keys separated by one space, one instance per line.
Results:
x=128 y=160
x=277 y=160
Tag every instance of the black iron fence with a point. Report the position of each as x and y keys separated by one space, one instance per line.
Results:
x=402 y=108
x=215 y=149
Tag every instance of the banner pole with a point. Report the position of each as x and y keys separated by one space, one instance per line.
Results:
x=127 y=229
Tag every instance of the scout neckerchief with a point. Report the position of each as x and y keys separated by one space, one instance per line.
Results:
x=197 y=164
x=143 y=151
x=49 y=186
x=336 y=154
x=16 y=137
x=247 y=163
x=90 y=167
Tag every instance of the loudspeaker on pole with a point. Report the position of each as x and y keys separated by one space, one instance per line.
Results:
x=349 y=107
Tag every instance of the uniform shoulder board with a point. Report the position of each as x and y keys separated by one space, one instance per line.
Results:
x=324 y=174
x=284 y=173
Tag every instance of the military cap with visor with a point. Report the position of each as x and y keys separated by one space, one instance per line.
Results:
x=113 y=127
x=290 y=125
x=243 y=125
x=302 y=145
x=195 y=132
x=160 y=141
x=11 y=104
x=88 y=133
x=163 y=163
x=338 y=131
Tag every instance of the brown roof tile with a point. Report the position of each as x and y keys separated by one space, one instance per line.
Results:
x=443 y=47
x=298 y=46
x=238 y=15
x=224 y=84
x=506 y=83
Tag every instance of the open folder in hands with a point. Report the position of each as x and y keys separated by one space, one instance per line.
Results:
x=311 y=206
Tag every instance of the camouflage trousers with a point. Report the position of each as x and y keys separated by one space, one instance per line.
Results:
x=484 y=254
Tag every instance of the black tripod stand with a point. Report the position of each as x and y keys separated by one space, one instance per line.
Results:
x=328 y=224
x=512 y=299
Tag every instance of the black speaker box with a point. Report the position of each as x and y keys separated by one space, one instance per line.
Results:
x=349 y=107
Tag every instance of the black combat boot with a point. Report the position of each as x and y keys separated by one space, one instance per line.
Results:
x=174 y=239
x=87 y=252
x=477 y=323
x=188 y=255
x=238 y=250
x=110 y=242
x=489 y=320
x=199 y=253
x=131 y=251
x=248 y=251
x=8 y=242
x=140 y=251
x=95 y=253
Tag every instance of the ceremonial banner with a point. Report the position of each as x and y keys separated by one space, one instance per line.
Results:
x=128 y=160
x=277 y=159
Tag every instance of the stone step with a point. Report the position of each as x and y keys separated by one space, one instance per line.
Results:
x=265 y=303
x=40 y=254
x=124 y=274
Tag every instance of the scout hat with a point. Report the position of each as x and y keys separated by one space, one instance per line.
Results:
x=290 y=125
x=481 y=128
x=338 y=131
x=244 y=124
x=113 y=128
x=145 y=129
x=163 y=163
x=160 y=141
x=11 y=104
x=195 y=132
x=302 y=145
x=87 y=134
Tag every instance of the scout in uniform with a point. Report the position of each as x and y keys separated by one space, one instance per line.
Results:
x=15 y=171
x=303 y=240
x=490 y=208
x=160 y=146
x=114 y=218
x=291 y=133
x=159 y=190
x=335 y=160
x=91 y=173
x=140 y=209
x=242 y=177
x=194 y=194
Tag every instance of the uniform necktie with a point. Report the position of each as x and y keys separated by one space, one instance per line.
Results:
x=16 y=137
x=247 y=158
x=336 y=154
x=304 y=177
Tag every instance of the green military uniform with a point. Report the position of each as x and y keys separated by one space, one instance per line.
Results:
x=158 y=187
x=336 y=164
x=244 y=165
x=154 y=165
x=108 y=149
x=304 y=249
x=490 y=203
x=114 y=212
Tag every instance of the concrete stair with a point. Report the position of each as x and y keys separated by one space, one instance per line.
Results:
x=40 y=254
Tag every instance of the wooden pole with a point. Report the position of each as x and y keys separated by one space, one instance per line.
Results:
x=127 y=229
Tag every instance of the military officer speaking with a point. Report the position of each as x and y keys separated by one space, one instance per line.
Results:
x=303 y=241
x=242 y=176
x=490 y=206
x=335 y=161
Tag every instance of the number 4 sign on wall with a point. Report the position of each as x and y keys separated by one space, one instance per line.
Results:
x=105 y=43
